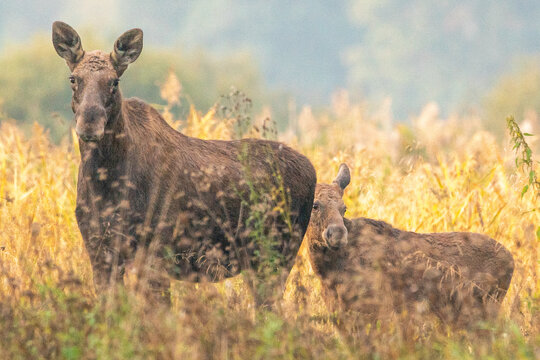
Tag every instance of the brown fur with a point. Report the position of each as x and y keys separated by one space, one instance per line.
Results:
x=144 y=185
x=461 y=277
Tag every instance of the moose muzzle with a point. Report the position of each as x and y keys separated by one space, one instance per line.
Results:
x=91 y=123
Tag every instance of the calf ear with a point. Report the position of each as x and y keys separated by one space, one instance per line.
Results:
x=343 y=177
x=67 y=43
x=127 y=49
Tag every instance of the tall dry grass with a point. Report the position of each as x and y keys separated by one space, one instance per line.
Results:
x=433 y=175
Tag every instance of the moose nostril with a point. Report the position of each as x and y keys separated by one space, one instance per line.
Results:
x=329 y=232
x=335 y=231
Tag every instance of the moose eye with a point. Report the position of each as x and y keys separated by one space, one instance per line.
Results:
x=316 y=206
x=72 y=79
x=115 y=82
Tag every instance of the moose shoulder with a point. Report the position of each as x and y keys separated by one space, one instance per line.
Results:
x=370 y=267
x=142 y=184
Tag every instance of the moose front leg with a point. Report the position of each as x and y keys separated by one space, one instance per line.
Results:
x=107 y=264
x=147 y=276
x=105 y=251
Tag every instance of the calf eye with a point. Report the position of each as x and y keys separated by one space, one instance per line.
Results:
x=115 y=82
x=72 y=79
x=315 y=206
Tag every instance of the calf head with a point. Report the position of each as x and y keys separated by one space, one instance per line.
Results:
x=96 y=100
x=326 y=226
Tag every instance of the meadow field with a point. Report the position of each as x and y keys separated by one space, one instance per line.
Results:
x=432 y=175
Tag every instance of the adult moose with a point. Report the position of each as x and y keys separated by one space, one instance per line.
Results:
x=187 y=201
x=370 y=267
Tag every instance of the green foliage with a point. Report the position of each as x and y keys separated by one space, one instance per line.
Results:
x=268 y=204
x=61 y=322
x=524 y=159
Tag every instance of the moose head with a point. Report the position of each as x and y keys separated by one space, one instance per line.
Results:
x=94 y=78
x=326 y=226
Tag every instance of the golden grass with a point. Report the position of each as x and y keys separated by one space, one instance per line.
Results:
x=433 y=176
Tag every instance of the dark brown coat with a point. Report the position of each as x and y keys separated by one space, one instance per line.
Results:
x=193 y=202
x=371 y=267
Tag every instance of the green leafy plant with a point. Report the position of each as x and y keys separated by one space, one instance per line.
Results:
x=524 y=159
x=238 y=106
x=524 y=153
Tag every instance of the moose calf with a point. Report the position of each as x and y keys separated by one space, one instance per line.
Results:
x=370 y=268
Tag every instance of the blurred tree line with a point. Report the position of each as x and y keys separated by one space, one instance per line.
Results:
x=516 y=93
x=35 y=87
x=451 y=52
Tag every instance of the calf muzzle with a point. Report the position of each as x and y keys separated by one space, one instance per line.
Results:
x=335 y=236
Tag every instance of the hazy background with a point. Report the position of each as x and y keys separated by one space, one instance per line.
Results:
x=467 y=56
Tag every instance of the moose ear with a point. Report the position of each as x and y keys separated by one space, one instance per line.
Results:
x=67 y=43
x=343 y=177
x=127 y=49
